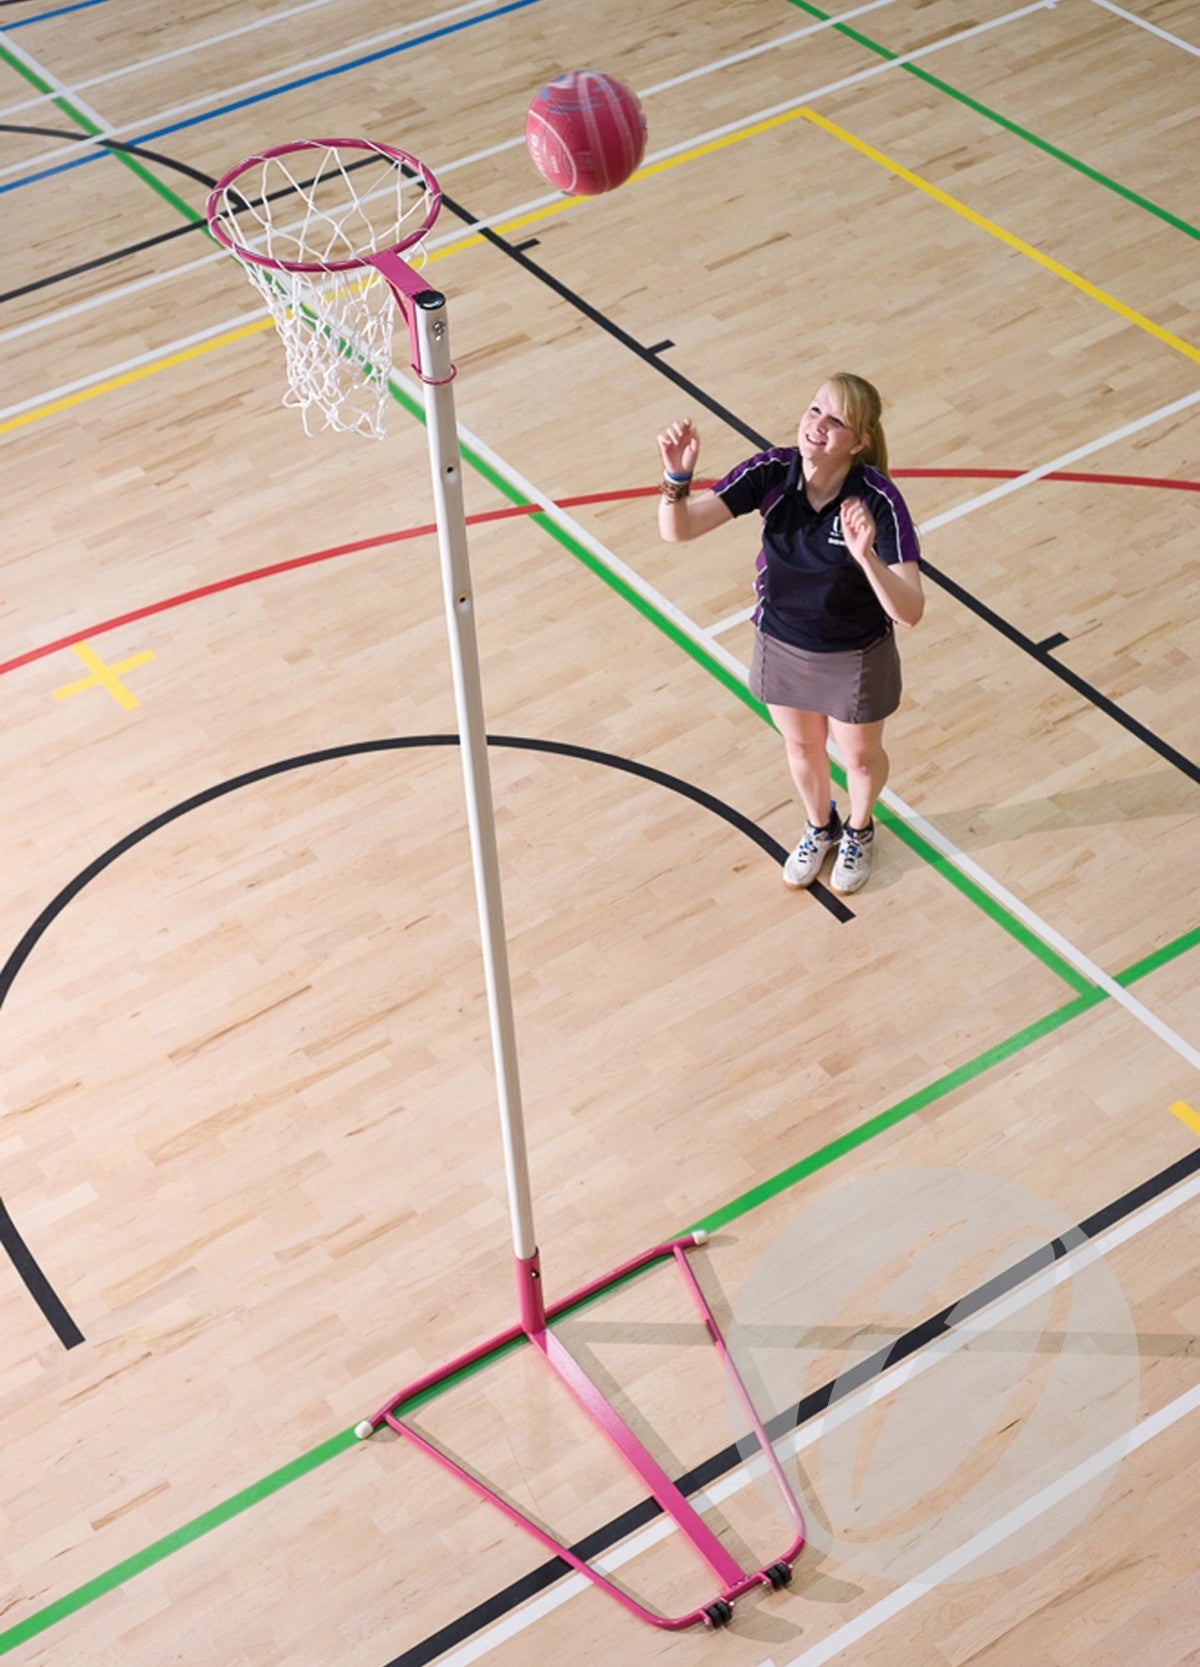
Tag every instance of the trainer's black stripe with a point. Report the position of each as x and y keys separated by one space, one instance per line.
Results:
x=719 y=1464
x=38 y=1285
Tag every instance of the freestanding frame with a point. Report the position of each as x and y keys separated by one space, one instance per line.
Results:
x=425 y=313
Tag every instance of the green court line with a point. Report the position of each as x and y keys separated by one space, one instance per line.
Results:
x=1158 y=958
x=1003 y=121
x=85 y=122
x=903 y=1108
x=761 y=1194
x=175 y=1541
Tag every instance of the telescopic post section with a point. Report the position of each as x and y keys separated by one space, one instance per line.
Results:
x=429 y=331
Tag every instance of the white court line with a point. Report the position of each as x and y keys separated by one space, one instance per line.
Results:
x=534 y=495
x=75 y=87
x=1012 y=1523
x=871 y=1393
x=717 y=651
x=766 y=46
x=140 y=360
x=857 y=78
x=434 y=247
x=1042 y=929
x=1062 y=462
x=294 y=69
x=1014 y=485
x=1151 y=28
x=135 y=286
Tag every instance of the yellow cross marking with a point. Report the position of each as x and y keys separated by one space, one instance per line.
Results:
x=103 y=677
x=1186 y=1115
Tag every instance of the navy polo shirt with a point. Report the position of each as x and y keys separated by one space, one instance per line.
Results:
x=811 y=591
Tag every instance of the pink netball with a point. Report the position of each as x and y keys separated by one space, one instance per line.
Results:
x=586 y=132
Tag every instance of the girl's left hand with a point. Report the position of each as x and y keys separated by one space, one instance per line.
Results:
x=858 y=529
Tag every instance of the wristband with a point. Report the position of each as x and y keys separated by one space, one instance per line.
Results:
x=674 y=490
x=677 y=479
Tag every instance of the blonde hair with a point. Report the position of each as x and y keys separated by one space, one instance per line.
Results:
x=861 y=409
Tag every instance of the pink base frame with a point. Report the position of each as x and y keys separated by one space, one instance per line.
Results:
x=534 y=1327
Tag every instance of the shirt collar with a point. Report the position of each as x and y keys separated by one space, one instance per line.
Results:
x=851 y=487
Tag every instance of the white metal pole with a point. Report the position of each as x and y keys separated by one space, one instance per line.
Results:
x=437 y=370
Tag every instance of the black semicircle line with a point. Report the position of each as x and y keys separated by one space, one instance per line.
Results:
x=23 y=1260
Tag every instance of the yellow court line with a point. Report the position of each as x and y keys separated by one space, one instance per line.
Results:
x=1014 y=242
x=474 y=239
x=1186 y=1115
x=708 y=148
x=104 y=676
x=136 y=375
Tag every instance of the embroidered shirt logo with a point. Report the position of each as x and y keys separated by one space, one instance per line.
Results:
x=835 y=531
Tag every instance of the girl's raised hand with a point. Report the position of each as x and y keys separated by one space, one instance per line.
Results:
x=679 y=445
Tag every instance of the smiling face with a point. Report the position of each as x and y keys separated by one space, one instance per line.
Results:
x=825 y=439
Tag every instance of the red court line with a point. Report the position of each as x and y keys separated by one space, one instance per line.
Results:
x=290 y=566
x=1056 y=474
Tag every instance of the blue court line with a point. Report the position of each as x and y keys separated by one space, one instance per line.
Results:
x=59 y=11
x=272 y=92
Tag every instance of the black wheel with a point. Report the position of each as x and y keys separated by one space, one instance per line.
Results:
x=718 y=1613
x=779 y=1574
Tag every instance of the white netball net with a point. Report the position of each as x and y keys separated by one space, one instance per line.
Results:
x=302 y=220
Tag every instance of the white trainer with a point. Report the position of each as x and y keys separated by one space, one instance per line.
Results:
x=853 y=866
x=804 y=863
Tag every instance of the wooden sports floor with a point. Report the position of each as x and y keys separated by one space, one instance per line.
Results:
x=945 y=1141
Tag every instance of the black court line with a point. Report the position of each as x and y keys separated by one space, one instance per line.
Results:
x=143 y=154
x=1164 y=749
x=146 y=155
x=185 y=230
x=38 y=1285
x=819 y=1400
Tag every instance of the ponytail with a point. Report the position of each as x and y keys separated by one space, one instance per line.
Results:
x=861 y=410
